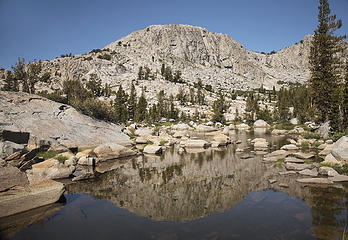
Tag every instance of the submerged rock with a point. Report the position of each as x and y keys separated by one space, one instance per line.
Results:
x=315 y=180
x=196 y=144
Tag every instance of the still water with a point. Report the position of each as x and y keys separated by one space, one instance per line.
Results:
x=201 y=194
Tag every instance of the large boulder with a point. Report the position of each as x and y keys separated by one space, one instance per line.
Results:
x=181 y=127
x=221 y=139
x=53 y=123
x=34 y=195
x=110 y=151
x=261 y=124
x=243 y=126
x=340 y=149
x=205 y=128
x=278 y=132
x=143 y=131
x=196 y=144
x=327 y=150
x=49 y=169
x=8 y=148
x=152 y=149
x=328 y=171
x=11 y=177
x=289 y=147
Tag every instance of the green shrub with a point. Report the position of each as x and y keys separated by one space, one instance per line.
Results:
x=89 y=58
x=162 y=142
x=279 y=163
x=304 y=144
x=46 y=155
x=284 y=126
x=311 y=135
x=105 y=56
x=62 y=159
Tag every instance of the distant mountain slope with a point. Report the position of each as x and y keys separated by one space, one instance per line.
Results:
x=217 y=59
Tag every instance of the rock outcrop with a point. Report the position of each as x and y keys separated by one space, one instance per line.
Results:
x=52 y=122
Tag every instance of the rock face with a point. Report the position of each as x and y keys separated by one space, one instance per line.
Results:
x=37 y=115
x=10 y=177
x=37 y=194
x=340 y=149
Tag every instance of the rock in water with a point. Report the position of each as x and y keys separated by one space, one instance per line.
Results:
x=53 y=122
x=153 y=149
x=35 y=195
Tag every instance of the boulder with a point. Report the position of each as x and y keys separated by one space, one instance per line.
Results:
x=231 y=127
x=339 y=178
x=289 y=147
x=11 y=177
x=49 y=169
x=143 y=131
x=278 y=132
x=205 y=128
x=293 y=160
x=141 y=140
x=260 y=145
x=72 y=161
x=179 y=134
x=243 y=126
x=340 y=149
x=84 y=160
x=258 y=140
x=297 y=167
x=181 y=127
x=327 y=150
x=153 y=149
x=222 y=139
x=36 y=194
x=331 y=160
x=110 y=151
x=261 y=124
x=294 y=121
x=196 y=144
x=303 y=155
x=328 y=171
x=15 y=136
x=315 y=180
x=308 y=172
x=8 y=148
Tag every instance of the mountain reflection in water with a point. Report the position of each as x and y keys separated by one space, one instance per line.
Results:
x=202 y=194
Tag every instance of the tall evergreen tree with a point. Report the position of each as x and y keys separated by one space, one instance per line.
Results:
x=120 y=105
x=21 y=74
x=219 y=108
x=345 y=101
x=141 y=108
x=132 y=102
x=34 y=69
x=11 y=83
x=325 y=65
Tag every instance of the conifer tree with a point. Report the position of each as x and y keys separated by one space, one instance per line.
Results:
x=219 y=108
x=11 y=83
x=20 y=74
x=34 y=69
x=140 y=73
x=173 y=113
x=132 y=102
x=141 y=106
x=345 y=101
x=120 y=104
x=325 y=66
x=161 y=102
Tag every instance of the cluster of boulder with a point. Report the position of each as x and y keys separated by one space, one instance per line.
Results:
x=296 y=161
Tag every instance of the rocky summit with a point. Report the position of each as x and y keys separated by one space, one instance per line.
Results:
x=214 y=58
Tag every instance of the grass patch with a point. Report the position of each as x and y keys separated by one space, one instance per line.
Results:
x=304 y=144
x=316 y=144
x=311 y=135
x=284 y=126
x=279 y=162
x=162 y=142
x=308 y=161
x=46 y=155
x=62 y=159
x=340 y=169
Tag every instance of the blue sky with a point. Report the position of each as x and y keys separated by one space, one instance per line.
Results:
x=45 y=29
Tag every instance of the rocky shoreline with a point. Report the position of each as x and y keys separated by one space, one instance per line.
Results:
x=49 y=142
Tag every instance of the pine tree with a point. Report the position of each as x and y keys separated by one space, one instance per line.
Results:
x=141 y=112
x=161 y=102
x=173 y=113
x=219 y=108
x=325 y=65
x=120 y=105
x=140 y=73
x=11 y=83
x=132 y=102
x=345 y=101
x=20 y=74
x=34 y=69
x=94 y=85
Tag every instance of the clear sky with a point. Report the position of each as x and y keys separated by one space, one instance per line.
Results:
x=45 y=29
